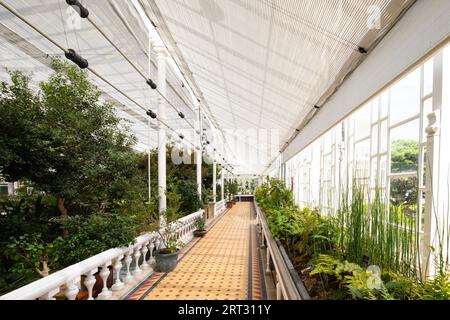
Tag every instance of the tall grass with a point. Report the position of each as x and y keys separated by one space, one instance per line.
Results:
x=371 y=232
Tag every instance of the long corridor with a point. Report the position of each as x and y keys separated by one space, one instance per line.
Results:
x=224 y=265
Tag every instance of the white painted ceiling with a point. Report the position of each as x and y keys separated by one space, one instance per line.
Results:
x=255 y=64
x=265 y=64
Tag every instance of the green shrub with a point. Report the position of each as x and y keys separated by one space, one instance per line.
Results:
x=91 y=235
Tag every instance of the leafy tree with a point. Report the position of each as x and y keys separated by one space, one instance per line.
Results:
x=69 y=144
x=65 y=139
x=404 y=158
x=183 y=180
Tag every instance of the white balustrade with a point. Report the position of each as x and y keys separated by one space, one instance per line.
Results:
x=68 y=281
x=220 y=207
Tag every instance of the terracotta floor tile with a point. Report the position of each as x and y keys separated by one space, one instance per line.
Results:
x=217 y=267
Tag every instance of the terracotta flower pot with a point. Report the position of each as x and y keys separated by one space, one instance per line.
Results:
x=200 y=233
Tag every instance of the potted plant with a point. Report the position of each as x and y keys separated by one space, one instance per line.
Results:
x=167 y=256
x=199 y=225
x=234 y=186
x=228 y=190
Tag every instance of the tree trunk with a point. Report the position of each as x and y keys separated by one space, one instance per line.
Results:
x=63 y=211
x=45 y=270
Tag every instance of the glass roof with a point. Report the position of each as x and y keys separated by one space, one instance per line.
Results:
x=257 y=64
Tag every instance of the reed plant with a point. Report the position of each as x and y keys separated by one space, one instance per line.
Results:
x=377 y=233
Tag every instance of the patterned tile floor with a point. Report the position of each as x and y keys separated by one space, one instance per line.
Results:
x=225 y=265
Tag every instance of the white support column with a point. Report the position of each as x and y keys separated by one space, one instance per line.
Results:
x=436 y=214
x=214 y=169
x=228 y=182
x=149 y=122
x=162 y=137
x=199 y=157
x=432 y=169
x=149 y=164
x=222 y=181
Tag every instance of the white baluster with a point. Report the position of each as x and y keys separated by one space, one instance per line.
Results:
x=152 y=247
x=145 y=265
x=104 y=274
x=268 y=261
x=128 y=261
x=118 y=285
x=137 y=255
x=157 y=244
x=186 y=233
x=279 y=291
x=89 y=282
x=50 y=295
x=72 y=289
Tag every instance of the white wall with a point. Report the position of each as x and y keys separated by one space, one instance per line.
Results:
x=422 y=28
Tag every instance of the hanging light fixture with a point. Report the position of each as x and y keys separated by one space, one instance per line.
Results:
x=82 y=11
x=152 y=84
x=73 y=56
x=362 y=50
x=151 y=114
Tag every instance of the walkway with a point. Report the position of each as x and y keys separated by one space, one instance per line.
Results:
x=225 y=265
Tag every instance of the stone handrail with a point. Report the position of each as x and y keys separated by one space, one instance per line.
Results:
x=68 y=280
x=220 y=207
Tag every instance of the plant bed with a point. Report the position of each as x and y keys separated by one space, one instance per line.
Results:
x=313 y=287
x=351 y=255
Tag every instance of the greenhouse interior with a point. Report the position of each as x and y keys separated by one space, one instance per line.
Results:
x=236 y=150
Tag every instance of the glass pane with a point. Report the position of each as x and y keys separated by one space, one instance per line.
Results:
x=375 y=107
x=383 y=171
x=362 y=122
x=428 y=77
x=327 y=143
x=384 y=137
x=362 y=158
x=374 y=174
x=327 y=168
x=374 y=139
x=384 y=104
x=404 y=192
x=405 y=148
x=405 y=98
